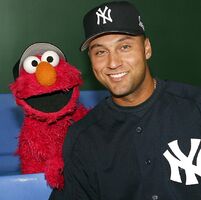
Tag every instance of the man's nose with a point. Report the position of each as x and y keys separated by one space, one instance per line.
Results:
x=114 y=60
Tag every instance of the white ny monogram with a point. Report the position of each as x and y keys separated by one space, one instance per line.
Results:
x=102 y=14
x=178 y=159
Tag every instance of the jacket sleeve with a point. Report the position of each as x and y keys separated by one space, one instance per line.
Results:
x=79 y=171
x=185 y=91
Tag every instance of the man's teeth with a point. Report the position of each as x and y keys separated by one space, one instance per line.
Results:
x=118 y=75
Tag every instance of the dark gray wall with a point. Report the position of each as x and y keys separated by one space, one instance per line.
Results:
x=174 y=29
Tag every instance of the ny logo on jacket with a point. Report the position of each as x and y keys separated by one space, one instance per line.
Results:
x=177 y=160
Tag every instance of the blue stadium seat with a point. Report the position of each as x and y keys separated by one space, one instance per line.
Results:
x=24 y=187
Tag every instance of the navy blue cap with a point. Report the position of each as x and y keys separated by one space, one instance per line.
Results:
x=112 y=17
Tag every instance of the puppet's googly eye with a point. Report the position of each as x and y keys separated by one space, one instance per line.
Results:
x=30 y=64
x=50 y=57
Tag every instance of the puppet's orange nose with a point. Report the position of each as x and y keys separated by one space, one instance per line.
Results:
x=46 y=74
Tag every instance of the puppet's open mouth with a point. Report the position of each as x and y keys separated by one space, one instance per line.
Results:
x=50 y=102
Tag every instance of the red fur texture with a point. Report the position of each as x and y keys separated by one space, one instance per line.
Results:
x=42 y=133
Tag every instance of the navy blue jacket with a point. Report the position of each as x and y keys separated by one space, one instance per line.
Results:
x=147 y=152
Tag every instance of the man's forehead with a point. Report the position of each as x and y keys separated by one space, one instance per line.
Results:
x=111 y=39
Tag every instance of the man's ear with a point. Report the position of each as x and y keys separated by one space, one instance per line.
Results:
x=148 y=49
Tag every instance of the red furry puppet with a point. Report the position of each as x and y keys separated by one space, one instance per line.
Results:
x=47 y=88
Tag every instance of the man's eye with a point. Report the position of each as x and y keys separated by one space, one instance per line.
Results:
x=100 y=53
x=125 y=47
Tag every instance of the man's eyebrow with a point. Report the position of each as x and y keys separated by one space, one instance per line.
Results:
x=94 y=46
x=127 y=37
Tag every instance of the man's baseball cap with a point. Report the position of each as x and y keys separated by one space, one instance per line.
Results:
x=36 y=49
x=112 y=17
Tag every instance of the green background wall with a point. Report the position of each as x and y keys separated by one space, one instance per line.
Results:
x=174 y=28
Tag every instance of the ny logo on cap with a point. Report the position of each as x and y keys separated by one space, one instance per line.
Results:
x=102 y=14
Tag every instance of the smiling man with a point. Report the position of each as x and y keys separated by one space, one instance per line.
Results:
x=142 y=142
x=119 y=63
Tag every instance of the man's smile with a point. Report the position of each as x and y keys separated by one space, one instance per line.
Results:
x=117 y=76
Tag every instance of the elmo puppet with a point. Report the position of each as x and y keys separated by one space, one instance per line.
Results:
x=46 y=86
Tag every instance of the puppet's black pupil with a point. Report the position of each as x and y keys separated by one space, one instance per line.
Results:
x=49 y=59
x=34 y=63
